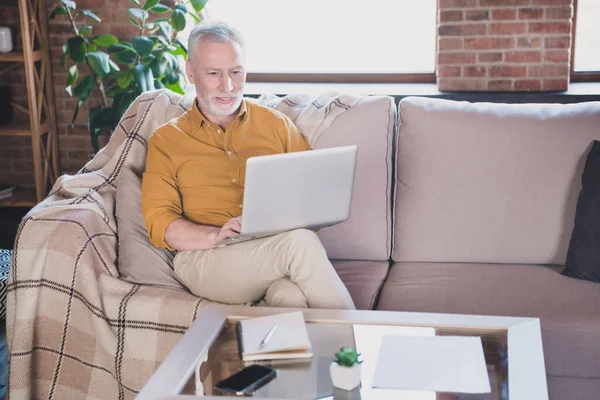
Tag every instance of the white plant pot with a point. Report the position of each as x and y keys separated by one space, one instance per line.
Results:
x=345 y=378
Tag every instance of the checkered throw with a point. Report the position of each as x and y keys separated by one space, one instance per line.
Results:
x=74 y=329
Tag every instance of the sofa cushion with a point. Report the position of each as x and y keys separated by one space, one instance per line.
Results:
x=367 y=234
x=568 y=308
x=139 y=261
x=363 y=280
x=489 y=182
x=583 y=256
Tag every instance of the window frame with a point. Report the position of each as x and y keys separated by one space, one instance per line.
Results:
x=579 y=76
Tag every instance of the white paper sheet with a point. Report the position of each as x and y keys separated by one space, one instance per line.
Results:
x=368 y=341
x=439 y=363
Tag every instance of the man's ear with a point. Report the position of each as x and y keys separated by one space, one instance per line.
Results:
x=189 y=71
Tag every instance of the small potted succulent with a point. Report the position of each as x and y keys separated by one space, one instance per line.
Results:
x=345 y=369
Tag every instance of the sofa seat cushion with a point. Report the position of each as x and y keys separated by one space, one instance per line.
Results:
x=569 y=309
x=363 y=280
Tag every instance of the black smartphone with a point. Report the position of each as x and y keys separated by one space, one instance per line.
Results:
x=247 y=380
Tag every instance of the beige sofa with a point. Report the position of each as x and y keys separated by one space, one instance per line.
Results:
x=457 y=208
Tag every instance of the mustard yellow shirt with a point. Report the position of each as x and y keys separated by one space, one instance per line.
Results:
x=196 y=170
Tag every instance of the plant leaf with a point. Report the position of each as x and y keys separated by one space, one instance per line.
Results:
x=113 y=66
x=165 y=28
x=198 y=5
x=100 y=63
x=91 y=15
x=63 y=60
x=175 y=87
x=143 y=77
x=84 y=88
x=105 y=40
x=194 y=17
x=59 y=10
x=76 y=112
x=125 y=79
x=159 y=67
x=85 y=30
x=181 y=7
x=77 y=49
x=73 y=76
x=69 y=3
x=127 y=56
x=138 y=13
x=178 y=20
x=149 y=4
x=134 y=22
x=136 y=2
x=160 y=9
x=142 y=45
x=115 y=48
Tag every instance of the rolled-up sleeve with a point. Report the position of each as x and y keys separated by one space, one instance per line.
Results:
x=161 y=201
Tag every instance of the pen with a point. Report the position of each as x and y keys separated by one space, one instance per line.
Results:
x=268 y=337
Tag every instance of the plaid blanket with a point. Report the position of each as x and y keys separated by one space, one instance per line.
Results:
x=74 y=329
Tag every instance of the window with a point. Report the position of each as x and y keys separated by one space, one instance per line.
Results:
x=338 y=38
x=586 y=57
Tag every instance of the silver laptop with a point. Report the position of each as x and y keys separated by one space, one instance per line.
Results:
x=308 y=189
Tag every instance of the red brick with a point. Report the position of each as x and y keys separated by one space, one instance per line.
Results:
x=555 y=84
x=527 y=85
x=504 y=3
x=523 y=56
x=550 y=27
x=551 y=2
x=548 y=70
x=563 y=42
x=529 y=42
x=506 y=71
x=476 y=71
x=489 y=57
x=507 y=28
x=462 y=30
x=556 y=56
x=531 y=13
x=457 y=4
x=500 y=85
x=477 y=15
x=450 y=44
x=489 y=43
x=456 y=58
x=462 y=84
x=446 y=71
x=555 y=13
x=451 y=15
x=504 y=14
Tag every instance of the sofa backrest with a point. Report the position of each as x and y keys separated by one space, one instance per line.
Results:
x=370 y=124
x=488 y=182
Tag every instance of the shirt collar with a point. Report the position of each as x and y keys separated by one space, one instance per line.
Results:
x=199 y=119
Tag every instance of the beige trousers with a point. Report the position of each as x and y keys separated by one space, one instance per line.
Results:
x=287 y=270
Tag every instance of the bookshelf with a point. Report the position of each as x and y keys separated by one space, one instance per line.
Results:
x=39 y=123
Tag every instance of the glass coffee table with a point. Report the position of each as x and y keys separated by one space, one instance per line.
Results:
x=208 y=352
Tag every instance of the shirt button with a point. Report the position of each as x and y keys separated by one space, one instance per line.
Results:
x=233 y=180
x=218 y=131
x=229 y=152
x=240 y=206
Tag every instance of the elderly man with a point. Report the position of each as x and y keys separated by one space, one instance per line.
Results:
x=193 y=188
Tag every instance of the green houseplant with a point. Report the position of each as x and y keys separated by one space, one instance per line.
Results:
x=345 y=369
x=118 y=69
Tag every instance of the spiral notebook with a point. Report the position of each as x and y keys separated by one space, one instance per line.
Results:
x=288 y=341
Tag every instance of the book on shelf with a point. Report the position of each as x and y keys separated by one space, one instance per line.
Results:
x=6 y=190
x=285 y=335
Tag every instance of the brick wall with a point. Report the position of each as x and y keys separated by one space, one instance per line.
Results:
x=483 y=45
x=504 y=45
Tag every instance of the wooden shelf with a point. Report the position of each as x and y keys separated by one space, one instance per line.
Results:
x=21 y=197
x=19 y=128
x=17 y=56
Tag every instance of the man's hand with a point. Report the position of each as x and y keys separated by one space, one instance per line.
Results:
x=233 y=227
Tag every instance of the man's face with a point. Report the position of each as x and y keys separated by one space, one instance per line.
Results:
x=217 y=70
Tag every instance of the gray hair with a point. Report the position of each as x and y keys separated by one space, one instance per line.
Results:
x=213 y=30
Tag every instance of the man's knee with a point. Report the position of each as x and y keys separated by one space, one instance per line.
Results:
x=302 y=237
